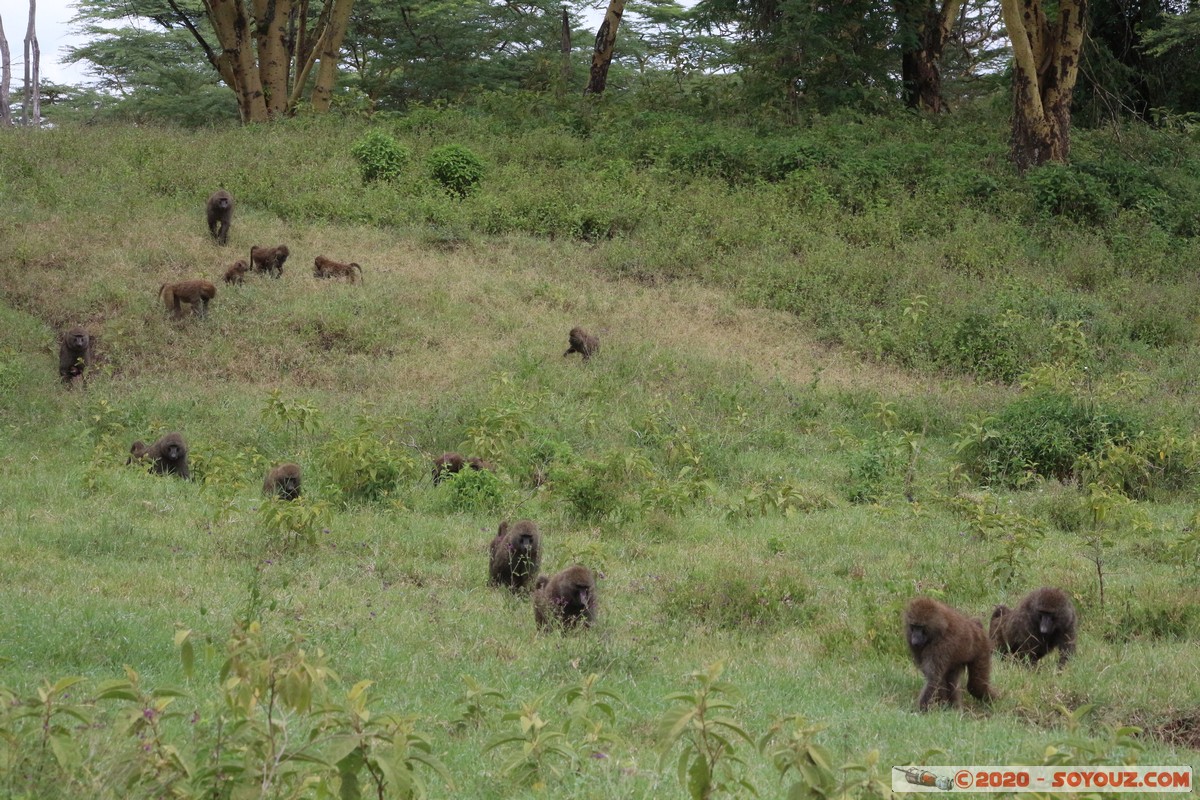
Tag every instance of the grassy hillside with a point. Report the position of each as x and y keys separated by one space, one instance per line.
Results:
x=841 y=367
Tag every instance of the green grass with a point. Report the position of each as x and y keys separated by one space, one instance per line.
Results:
x=739 y=359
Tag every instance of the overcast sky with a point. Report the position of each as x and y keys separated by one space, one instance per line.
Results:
x=51 y=23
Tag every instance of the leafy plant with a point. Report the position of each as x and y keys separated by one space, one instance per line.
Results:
x=287 y=413
x=456 y=168
x=708 y=761
x=380 y=156
x=791 y=746
x=540 y=746
x=292 y=523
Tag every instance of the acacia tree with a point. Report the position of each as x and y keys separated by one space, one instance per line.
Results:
x=271 y=53
x=924 y=31
x=31 y=112
x=5 y=78
x=1046 y=57
x=606 y=41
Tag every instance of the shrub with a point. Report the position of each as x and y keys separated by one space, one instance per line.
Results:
x=456 y=168
x=380 y=157
x=1065 y=192
x=733 y=596
x=1044 y=433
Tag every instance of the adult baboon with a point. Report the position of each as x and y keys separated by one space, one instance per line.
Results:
x=583 y=343
x=1042 y=621
x=219 y=209
x=269 y=259
x=195 y=293
x=283 y=481
x=237 y=273
x=450 y=463
x=74 y=354
x=567 y=599
x=516 y=555
x=168 y=456
x=328 y=268
x=943 y=642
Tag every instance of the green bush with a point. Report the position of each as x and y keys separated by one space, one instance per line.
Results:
x=380 y=157
x=1045 y=434
x=456 y=168
x=1063 y=191
x=733 y=596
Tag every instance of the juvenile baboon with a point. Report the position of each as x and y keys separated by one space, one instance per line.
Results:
x=328 y=268
x=283 y=481
x=567 y=599
x=137 y=451
x=219 y=209
x=195 y=293
x=516 y=555
x=1043 y=620
x=583 y=343
x=237 y=273
x=168 y=456
x=269 y=259
x=943 y=642
x=74 y=354
x=450 y=463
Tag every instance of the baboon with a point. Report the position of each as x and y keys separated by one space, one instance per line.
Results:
x=237 y=273
x=219 y=209
x=516 y=555
x=567 y=599
x=449 y=463
x=195 y=293
x=284 y=481
x=943 y=642
x=583 y=343
x=1042 y=621
x=328 y=268
x=136 y=451
x=269 y=259
x=74 y=354
x=168 y=455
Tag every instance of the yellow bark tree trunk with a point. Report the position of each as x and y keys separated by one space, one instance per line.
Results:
x=327 y=51
x=606 y=41
x=237 y=63
x=274 y=59
x=1045 y=67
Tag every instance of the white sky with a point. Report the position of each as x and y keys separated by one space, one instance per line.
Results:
x=51 y=22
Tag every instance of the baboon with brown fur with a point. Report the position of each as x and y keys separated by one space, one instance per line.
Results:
x=219 y=210
x=516 y=555
x=451 y=463
x=567 y=599
x=237 y=273
x=1043 y=620
x=283 y=481
x=195 y=293
x=583 y=343
x=943 y=643
x=269 y=259
x=328 y=268
x=168 y=456
x=137 y=451
x=74 y=354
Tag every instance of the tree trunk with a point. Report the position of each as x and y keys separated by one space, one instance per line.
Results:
x=5 y=79
x=1045 y=68
x=606 y=40
x=271 y=18
x=32 y=111
x=237 y=63
x=328 y=51
x=926 y=27
x=565 y=50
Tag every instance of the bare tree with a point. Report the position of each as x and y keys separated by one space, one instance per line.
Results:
x=32 y=111
x=5 y=78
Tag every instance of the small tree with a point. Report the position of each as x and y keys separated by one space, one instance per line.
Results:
x=32 y=111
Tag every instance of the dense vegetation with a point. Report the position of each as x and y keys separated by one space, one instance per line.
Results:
x=843 y=364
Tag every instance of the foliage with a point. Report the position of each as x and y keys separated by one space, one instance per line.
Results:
x=1044 y=433
x=739 y=596
x=365 y=467
x=1062 y=190
x=380 y=156
x=708 y=760
x=456 y=167
x=294 y=523
x=288 y=412
x=817 y=773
